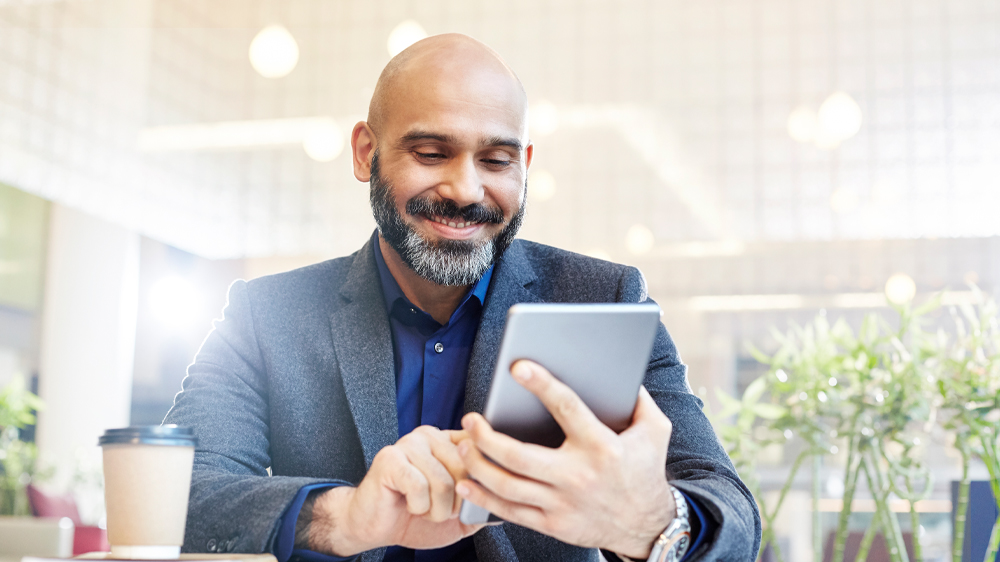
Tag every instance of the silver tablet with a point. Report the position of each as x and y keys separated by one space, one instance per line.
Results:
x=599 y=350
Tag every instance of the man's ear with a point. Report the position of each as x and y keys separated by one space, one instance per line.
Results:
x=529 y=153
x=363 y=144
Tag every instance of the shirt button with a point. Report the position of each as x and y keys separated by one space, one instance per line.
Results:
x=438 y=347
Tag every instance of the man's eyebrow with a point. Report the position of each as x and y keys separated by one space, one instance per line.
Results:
x=509 y=142
x=496 y=140
x=415 y=136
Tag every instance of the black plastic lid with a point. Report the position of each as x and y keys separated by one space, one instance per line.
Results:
x=170 y=435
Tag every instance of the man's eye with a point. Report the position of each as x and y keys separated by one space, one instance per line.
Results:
x=495 y=163
x=430 y=155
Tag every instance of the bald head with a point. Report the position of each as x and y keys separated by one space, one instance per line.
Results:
x=446 y=153
x=451 y=65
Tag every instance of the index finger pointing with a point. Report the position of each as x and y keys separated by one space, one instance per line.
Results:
x=456 y=435
x=569 y=411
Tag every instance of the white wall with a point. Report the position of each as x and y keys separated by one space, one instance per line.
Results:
x=72 y=102
x=88 y=336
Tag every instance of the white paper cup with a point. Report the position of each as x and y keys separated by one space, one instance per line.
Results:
x=147 y=480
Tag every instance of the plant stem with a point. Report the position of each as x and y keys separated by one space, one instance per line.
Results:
x=961 y=510
x=915 y=526
x=991 y=549
x=893 y=534
x=991 y=458
x=768 y=535
x=914 y=521
x=892 y=522
x=817 y=522
x=866 y=541
x=851 y=481
x=788 y=483
x=777 y=551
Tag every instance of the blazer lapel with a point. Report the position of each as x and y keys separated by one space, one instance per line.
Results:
x=507 y=288
x=363 y=343
x=493 y=545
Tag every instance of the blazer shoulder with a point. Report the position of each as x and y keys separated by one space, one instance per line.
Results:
x=309 y=282
x=567 y=276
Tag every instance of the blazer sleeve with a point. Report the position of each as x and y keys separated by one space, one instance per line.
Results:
x=235 y=506
x=696 y=462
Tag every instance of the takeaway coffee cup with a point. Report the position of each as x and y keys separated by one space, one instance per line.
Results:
x=147 y=478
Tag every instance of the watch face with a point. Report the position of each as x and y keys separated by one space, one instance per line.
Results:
x=681 y=546
x=682 y=543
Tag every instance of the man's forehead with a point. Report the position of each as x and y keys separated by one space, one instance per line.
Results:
x=450 y=76
x=459 y=110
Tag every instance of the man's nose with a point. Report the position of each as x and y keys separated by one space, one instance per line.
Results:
x=462 y=184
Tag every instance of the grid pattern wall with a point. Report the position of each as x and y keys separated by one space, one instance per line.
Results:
x=671 y=114
x=71 y=103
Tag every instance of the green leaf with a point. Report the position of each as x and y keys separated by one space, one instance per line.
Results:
x=745 y=421
x=769 y=411
x=969 y=313
x=730 y=405
x=757 y=354
x=754 y=391
x=931 y=304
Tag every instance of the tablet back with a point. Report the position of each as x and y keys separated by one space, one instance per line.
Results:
x=599 y=350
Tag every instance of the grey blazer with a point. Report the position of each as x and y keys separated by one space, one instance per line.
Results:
x=298 y=378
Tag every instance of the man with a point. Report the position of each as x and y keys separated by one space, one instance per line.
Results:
x=350 y=381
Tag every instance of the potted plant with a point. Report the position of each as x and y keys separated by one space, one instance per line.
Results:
x=880 y=392
x=830 y=387
x=744 y=439
x=968 y=366
x=18 y=459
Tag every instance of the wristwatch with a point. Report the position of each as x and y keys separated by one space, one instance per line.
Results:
x=673 y=542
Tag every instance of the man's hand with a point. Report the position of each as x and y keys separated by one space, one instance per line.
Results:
x=599 y=489
x=407 y=499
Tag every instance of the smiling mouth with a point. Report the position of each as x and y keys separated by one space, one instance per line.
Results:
x=452 y=224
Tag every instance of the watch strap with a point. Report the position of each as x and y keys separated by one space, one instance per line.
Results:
x=673 y=542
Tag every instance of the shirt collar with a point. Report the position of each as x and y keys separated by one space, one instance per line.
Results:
x=392 y=293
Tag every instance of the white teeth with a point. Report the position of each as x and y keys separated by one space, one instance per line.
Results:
x=452 y=224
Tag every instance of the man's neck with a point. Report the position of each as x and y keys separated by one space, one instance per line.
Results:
x=440 y=301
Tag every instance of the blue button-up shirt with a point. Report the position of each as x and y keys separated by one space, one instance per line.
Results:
x=431 y=359
x=431 y=363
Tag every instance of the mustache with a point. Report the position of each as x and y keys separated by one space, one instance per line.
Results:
x=476 y=212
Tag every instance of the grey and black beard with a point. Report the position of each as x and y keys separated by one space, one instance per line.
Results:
x=445 y=262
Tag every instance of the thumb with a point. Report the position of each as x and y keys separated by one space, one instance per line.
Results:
x=649 y=417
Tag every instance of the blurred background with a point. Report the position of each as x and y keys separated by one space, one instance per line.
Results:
x=762 y=161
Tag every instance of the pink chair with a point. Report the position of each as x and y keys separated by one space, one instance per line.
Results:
x=86 y=538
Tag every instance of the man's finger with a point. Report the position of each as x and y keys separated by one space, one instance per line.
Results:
x=456 y=436
x=501 y=482
x=410 y=482
x=442 y=446
x=519 y=514
x=445 y=451
x=569 y=411
x=649 y=417
x=526 y=459
x=432 y=452
x=440 y=483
